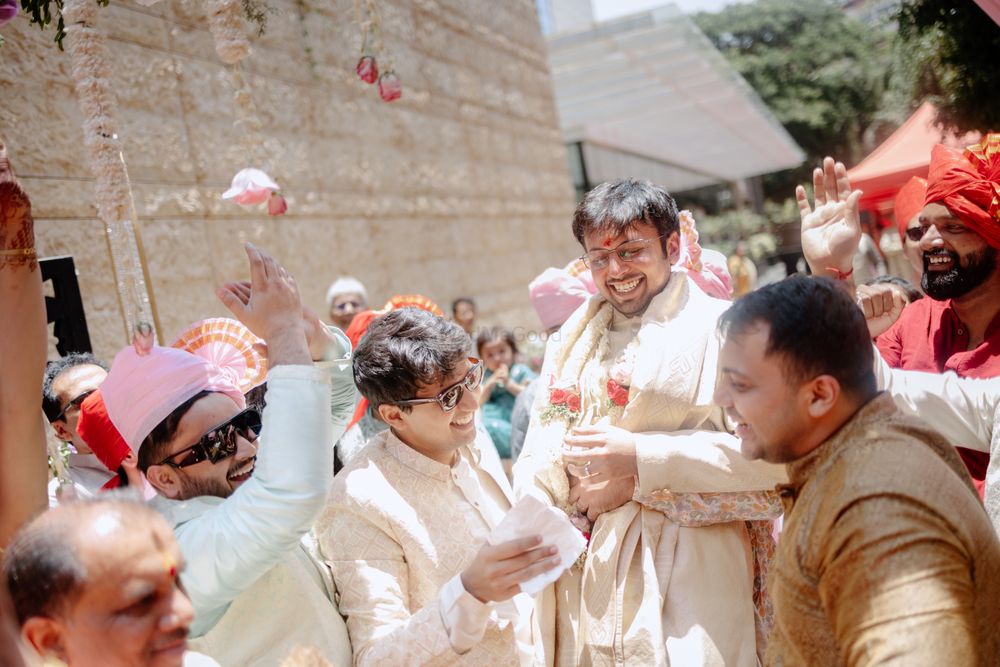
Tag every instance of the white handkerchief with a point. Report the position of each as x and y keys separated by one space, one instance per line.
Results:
x=530 y=516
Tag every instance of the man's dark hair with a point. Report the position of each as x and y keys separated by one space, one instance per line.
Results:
x=816 y=328
x=460 y=300
x=41 y=565
x=404 y=351
x=154 y=446
x=494 y=334
x=616 y=206
x=912 y=293
x=50 y=402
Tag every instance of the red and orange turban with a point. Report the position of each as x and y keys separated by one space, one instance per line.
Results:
x=364 y=319
x=968 y=184
x=909 y=202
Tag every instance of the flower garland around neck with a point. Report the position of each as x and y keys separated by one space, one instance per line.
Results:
x=564 y=395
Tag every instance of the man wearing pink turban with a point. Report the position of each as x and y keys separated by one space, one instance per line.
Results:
x=240 y=507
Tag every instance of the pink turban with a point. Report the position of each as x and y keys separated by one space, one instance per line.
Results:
x=142 y=390
x=706 y=268
x=556 y=293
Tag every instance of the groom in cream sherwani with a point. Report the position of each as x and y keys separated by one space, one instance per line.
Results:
x=624 y=431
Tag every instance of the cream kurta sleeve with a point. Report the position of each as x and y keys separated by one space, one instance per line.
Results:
x=960 y=409
x=701 y=462
x=372 y=578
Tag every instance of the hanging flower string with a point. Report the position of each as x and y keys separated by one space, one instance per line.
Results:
x=373 y=50
x=113 y=197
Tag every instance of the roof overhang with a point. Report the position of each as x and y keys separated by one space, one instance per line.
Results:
x=651 y=89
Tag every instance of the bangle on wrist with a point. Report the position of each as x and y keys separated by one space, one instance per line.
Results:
x=18 y=252
x=838 y=274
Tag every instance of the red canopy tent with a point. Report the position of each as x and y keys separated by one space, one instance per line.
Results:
x=906 y=153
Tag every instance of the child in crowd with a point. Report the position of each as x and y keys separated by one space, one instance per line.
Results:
x=504 y=381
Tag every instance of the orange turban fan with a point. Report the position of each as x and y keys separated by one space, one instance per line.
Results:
x=969 y=185
x=96 y=429
x=909 y=202
x=363 y=320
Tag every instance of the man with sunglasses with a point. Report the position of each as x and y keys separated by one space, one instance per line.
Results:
x=65 y=385
x=958 y=229
x=242 y=505
x=625 y=411
x=405 y=531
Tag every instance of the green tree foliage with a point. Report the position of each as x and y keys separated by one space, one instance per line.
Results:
x=951 y=55
x=821 y=72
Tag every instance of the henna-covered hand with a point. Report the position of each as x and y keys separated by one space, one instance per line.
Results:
x=17 y=227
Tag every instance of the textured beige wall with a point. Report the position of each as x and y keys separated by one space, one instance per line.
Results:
x=460 y=187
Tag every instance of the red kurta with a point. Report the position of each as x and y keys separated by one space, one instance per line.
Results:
x=929 y=337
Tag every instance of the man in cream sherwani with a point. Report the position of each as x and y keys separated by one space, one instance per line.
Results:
x=625 y=430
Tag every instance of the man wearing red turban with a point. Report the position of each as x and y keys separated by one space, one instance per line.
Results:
x=958 y=328
x=958 y=230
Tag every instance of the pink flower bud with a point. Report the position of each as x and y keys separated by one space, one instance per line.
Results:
x=8 y=10
x=367 y=69
x=143 y=339
x=276 y=205
x=389 y=87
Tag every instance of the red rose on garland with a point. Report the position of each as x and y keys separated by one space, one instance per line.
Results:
x=367 y=69
x=617 y=393
x=558 y=396
x=573 y=403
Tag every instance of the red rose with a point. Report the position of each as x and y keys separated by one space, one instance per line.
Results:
x=617 y=393
x=558 y=396
x=573 y=403
x=389 y=87
x=367 y=69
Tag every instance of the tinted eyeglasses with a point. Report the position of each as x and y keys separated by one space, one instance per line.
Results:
x=450 y=397
x=218 y=443
x=630 y=251
x=74 y=403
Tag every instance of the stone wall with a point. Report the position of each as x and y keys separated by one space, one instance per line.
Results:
x=459 y=188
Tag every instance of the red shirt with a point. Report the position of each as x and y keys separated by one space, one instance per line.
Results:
x=929 y=337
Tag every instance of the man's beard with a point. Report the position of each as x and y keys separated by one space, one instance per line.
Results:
x=958 y=280
x=192 y=487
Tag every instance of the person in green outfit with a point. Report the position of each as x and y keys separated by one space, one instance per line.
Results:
x=504 y=381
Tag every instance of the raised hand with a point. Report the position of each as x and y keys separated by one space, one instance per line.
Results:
x=272 y=310
x=882 y=306
x=831 y=230
x=497 y=572
x=318 y=335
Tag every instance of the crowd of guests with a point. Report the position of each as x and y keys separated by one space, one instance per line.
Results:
x=793 y=477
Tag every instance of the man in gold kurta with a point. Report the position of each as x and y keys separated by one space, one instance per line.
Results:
x=624 y=419
x=887 y=556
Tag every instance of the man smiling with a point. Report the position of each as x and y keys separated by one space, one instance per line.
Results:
x=406 y=528
x=240 y=507
x=886 y=554
x=95 y=584
x=624 y=411
x=958 y=327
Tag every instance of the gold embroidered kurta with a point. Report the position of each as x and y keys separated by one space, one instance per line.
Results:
x=887 y=556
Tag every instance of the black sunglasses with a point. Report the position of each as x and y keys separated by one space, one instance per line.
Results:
x=450 y=397
x=73 y=403
x=218 y=443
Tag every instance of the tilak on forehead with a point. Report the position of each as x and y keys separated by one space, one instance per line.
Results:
x=169 y=560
